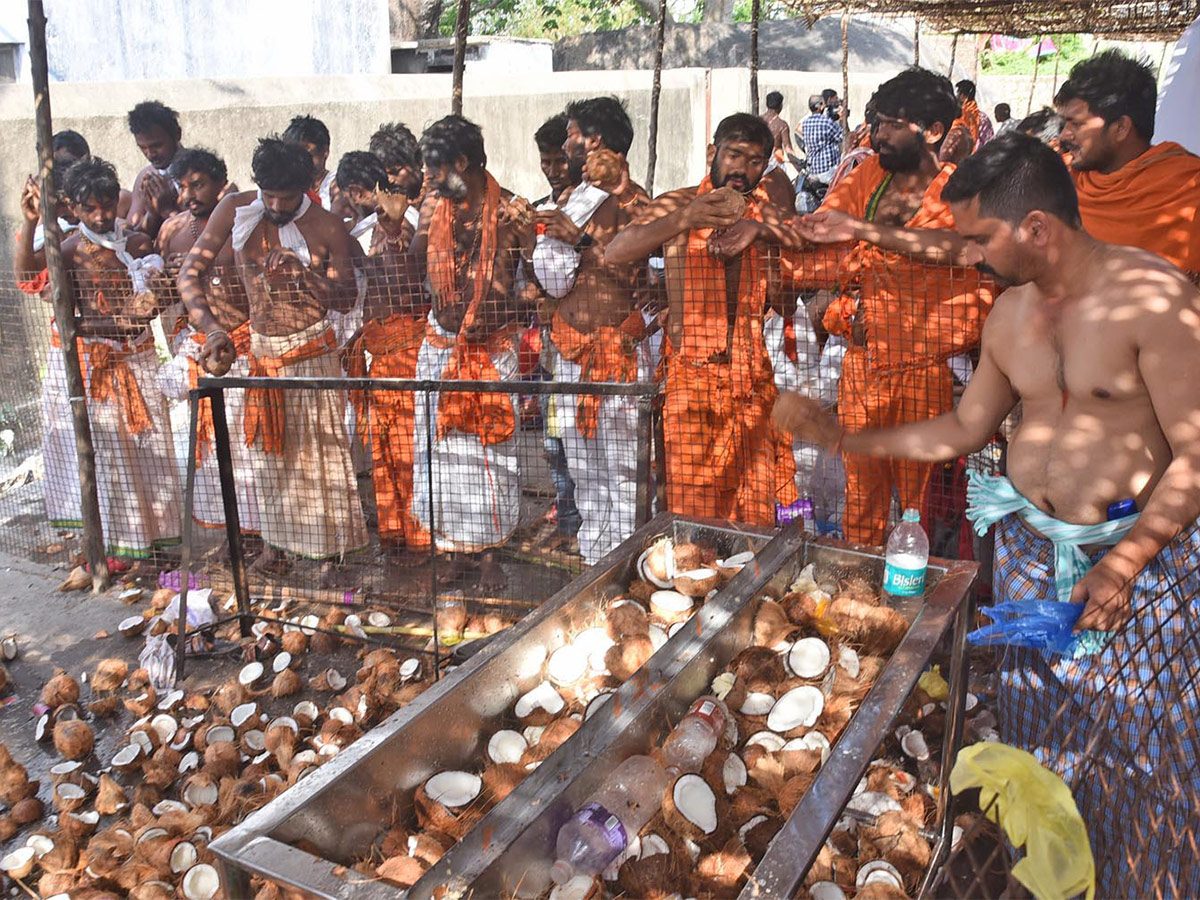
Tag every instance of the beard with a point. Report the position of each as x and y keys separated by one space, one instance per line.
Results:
x=1003 y=281
x=899 y=159
x=279 y=218
x=452 y=187
x=740 y=183
x=575 y=167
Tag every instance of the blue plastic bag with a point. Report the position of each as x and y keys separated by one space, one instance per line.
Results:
x=1039 y=624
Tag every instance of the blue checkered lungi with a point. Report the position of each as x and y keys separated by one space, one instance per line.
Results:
x=1121 y=727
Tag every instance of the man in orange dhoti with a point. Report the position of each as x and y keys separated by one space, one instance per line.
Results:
x=724 y=457
x=902 y=318
x=468 y=245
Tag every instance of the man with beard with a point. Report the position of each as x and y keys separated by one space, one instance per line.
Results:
x=602 y=123
x=1100 y=345
x=595 y=330
x=400 y=153
x=903 y=319
x=113 y=275
x=296 y=262
x=313 y=136
x=724 y=458
x=203 y=180
x=156 y=129
x=468 y=245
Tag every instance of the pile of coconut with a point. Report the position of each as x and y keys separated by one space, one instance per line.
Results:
x=138 y=823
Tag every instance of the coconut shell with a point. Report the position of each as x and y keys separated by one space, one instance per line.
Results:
x=140 y=703
x=877 y=629
x=757 y=666
x=59 y=690
x=26 y=811
x=758 y=838
x=771 y=624
x=323 y=642
x=627 y=656
x=688 y=556
x=286 y=684
x=109 y=675
x=54 y=883
x=721 y=872
x=626 y=620
x=15 y=784
x=230 y=695
x=501 y=780
x=402 y=871
x=835 y=716
x=656 y=877
x=74 y=739
x=62 y=857
x=104 y=707
x=110 y=797
x=221 y=759
x=431 y=814
x=898 y=840
x=793 y=792
x=641 y=591
x=294 y=642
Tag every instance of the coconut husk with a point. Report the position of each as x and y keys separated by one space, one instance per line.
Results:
x=878 y=629
x=142 y=702
x=59 y=690
x=627 y=656
x=756 y=666
x=323 y=642
x=900 y=843
x=110 y=797
x=109 y=675
x=151 y=890
x=403 y=871
x=26 y=811
x=133 y=874
x=286 y=684
x=831 y=866
x=230 y=695
x=641 y=590
x=748 y=802
x=64 y=882
x=295 y=643
x=835 y=716
x=62 y=857
x=104 y=707
x=73 y=738
x=221 y=759
x=8 y=828
x=878 y=890
x=626 y=620
x=656 y=877
x=793 y=792
x=15 y=784
x=431 y=814
x=721 y=872
x=758 y=838
x=801 y=609
x=393 y=842
x=771 y=624
x=500 y=780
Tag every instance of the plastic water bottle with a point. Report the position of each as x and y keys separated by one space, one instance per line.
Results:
x=906 y=558
x=603 y=827
x=696 y=735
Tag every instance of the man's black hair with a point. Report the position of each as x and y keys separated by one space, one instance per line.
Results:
x=280 y=165
x=396 y=146
x=1114 y=85
x=606 y=117
x=451 y=137
x=828 y=94
x=743 y=127
x=1003 y=112
x=1045 y=125
x=552 y=134
x=197 y=159
x=151 y=113
x=918 y=96
x=1012 y=176
x=71 y=142
x=775 y=101
x=308 y=130
x=91 y=178
x=361 y=169
x=966 y=87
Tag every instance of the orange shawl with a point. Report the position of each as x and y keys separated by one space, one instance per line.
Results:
x=1152 y=203
x=265 y=413
x=606 y=354
x=489 y=416
x=970 y=118
x=204 y=420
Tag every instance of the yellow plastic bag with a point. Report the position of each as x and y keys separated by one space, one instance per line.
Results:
x=1036 y=810
x=933 y=684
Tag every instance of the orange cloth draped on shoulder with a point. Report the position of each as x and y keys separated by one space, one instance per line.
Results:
x=387 y=416
x=488 y=416
x=112 y=379
x=970 y=118
x=204 y=422
x=606 y=354
x=724 y=457
x=1152 y=203
x=265 y=413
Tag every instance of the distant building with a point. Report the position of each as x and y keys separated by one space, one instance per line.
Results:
x=506 y=54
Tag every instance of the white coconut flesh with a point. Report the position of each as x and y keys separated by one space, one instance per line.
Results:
x=814 y=740
x=379 y=619
x=809 y=657
x=63 y=769
x=577 y=888
x=674 y=629
x=826 y=890
x=309 y=624
x=243 y=714
x=769 y=740
x=18 y=863
x=533 y=734
x=849 y=661
x=67 y=792
x=453 y=789
x=657 y=564
x=341 y=714
x=255 y=740
x=757 y=704
x=43 y=731
x=696 y=802
x=658 y=637
x=733 y=773
x=183 y=857
x=544 y=696
x=142 y=740
x=281 y=661
x=722 y=685
x=162 y=807
x=284 y=722
x=879 y=871
x=594 y=643
x=749 y=824
x=219 y=733
x=798 y=708
x=41 y=844
x=736 y=561
x=506 y=747
x=409 y=669
x=91 y=817
x=702 y=574
x=873 y=803
x=971 y=702
x=352 y=621
x=914 y=745
x=653 y=845
x=200 y=794
x=567 y=665
x=306 y=709
x=131 y=625
x=595 y=703
x=250 y=673
x=126 y=756
x=201 y=882
x=165 y=727
x=670 y=604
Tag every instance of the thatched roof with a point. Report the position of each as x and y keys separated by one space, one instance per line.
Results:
x=1139 y=19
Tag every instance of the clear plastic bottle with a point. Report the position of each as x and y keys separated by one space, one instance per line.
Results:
x=696 y=735
x=906 y=558
x=603 y=827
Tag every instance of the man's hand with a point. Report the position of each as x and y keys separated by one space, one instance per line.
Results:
x=391 y=208
x=733 y=241
x=31 y=200
x=829 y=226
x=559 y=226
x=1106 y=592
x=281 y=263
x=716 y=209
x=218 y=353
x=806 y=419
x=159 y=193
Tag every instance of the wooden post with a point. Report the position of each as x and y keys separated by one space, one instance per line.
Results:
x=916 y=42
x=953 y=53
x=846 y=70
x=63 y=300
x=461 y=27
x=755 y=12
x=660 y=38
x=1057 y=60
x=1037 y=61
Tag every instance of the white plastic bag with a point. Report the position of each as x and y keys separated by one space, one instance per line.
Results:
x=158 y=659
x=199 y=609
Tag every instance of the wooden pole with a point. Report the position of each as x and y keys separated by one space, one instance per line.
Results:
x=845 y=70
x=953 y=53
x=63 y=301
x=461 y=27
x=1037 y=61
x=660 y=38
x=755 y=12
x=916 y=42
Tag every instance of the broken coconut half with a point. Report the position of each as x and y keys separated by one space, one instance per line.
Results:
x=690 y=807
x=506 y=746
x=670 y=606
x=798 y=708
x=809 y=657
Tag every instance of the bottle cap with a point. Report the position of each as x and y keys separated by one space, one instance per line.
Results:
x=912 y=515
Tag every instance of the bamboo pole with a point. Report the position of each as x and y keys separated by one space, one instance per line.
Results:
x=755 y=12
x=461 y=27
x=660 y=38
x=1037 y=61
x=845 y=70
x=953 y=53
x=63 y=300
x=916 y=42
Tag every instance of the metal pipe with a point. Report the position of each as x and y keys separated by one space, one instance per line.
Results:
x=1037 y=61
x=62 y=298
x=953 y=54
x=845 y=70
x=916 y=42
x=644 y=426
x=591 y=388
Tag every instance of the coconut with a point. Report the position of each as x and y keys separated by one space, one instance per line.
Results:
x=540 y=705
x=657 y=636
x=814 y=740
x=132 y=625
x=876 y=629
x=446 y=802
x=690 y=807
x=913 y=744
x=60 y=689
x=768 y=740
x=403 y=871
x=657 y=563
x=103 y=707
x=201 y=882
x=756 y=704
x=567 y=665
x=809 y=657
x=199 y=790
x=671 y=606
x=286 y=684
x=771 y=624
x=229 y=695
x=19 y=863
x=78 y=825
x=658 y=876
x=506 y=746
x=721 y=871
x=73 y=739
x=759 y=668
x=23 y=812
x=410 y=669
x=501 y=780
x=578 y=887
x=628 y=655
x=280 y=739
x=68 y=796
x=127 y=758
x=165 y=726
x=697 y=582
x=142 y=703
x=221 y=759
x=109 y=675
x=731 y=565
x=798 y=708
x=623 y=619
x=331 y=680
x=251 y=674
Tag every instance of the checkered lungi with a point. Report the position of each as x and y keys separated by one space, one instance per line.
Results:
x=1121 y=727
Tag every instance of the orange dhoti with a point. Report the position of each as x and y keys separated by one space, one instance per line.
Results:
x=868 y=399
x=389 y=348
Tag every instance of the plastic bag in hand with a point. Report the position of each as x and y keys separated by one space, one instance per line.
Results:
x=1040 y=624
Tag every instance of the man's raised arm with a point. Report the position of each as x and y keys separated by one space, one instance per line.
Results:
x=941 y=247
x=665 y=218
x=218 y=354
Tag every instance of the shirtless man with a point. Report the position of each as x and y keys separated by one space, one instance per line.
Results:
x=594 y=329
x=201 y=176
x=468 y=244
x=113 y=274
x=400 y=153
x=297 y=264
x=603 y=123
x=1101 y=346
x=313 y=136
x=156 y=129
x=724 y=458
x=377 y=213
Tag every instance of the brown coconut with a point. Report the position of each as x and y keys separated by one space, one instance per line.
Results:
x=26 y=811
x=656 y=877
x=295 y=643
x=109 y=675
x=626 y=620
x=15 y=784
x=801 y=609
x=878 y=890
x=54 y=883
x=140 y=703
x=641 y=590
x=721 y=872
x=110 y=797
x=771 y=624
x=500 y=780
x=62 y=857
x=103 y=707
x=59 y=690
x=74 y=739
x=230 y=695
x=627 y=656
x=8 y=828
x=758 y=668
x=286 y=684
x=688 y=556
x=793 y=792
x=221 y=759
x=456 y=823
x=403 y=871
x=877 y=629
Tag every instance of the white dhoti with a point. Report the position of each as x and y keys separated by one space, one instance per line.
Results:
x=308 y=501
x=137 y=473
x=476 y=500
x=62 y=493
